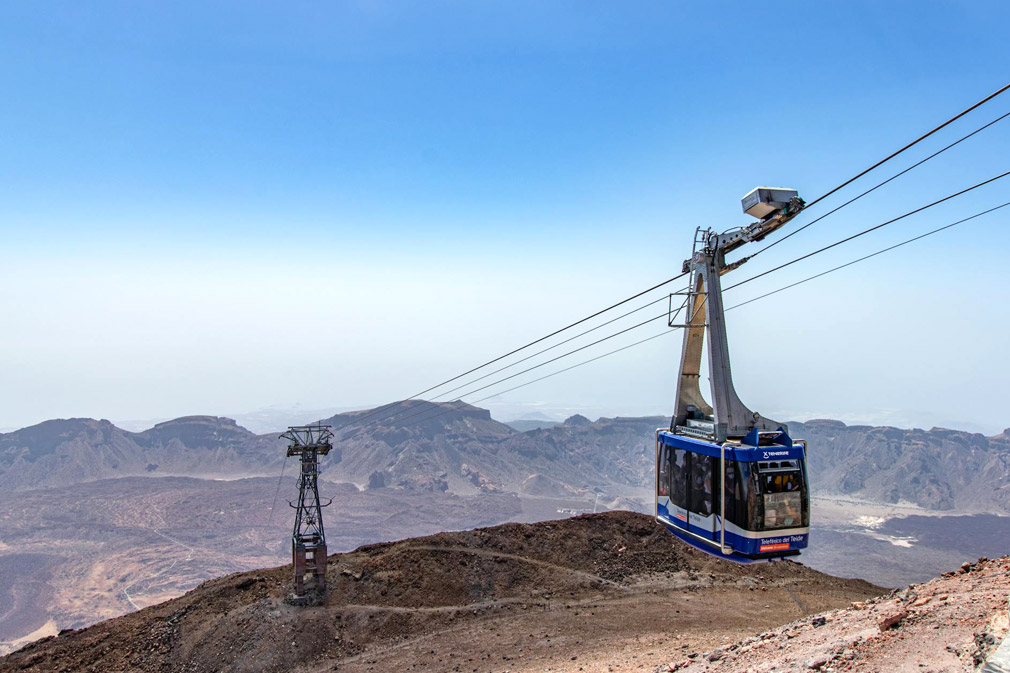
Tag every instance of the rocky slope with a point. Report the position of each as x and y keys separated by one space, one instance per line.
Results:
x=72 y=556
x=949 y=624
x=598 y=590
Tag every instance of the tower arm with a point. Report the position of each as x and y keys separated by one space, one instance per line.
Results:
x=775 y=207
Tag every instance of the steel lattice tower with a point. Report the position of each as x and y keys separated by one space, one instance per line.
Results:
x=308 y=539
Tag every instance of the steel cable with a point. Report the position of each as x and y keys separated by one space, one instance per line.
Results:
x=991 y=96
x=522 y=385
x=911 y=144
x=876 y=186
x=865 y=257
x=380 y=409
x=871 y=229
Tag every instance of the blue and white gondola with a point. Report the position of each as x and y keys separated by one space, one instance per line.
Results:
x=745 y=501
x=729 y=481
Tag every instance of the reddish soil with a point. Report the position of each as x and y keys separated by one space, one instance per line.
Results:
x=947 y=625
x=599 y=592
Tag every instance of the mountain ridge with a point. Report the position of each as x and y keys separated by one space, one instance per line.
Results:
x=63 y=452
x=459 y=448
x=938 y=469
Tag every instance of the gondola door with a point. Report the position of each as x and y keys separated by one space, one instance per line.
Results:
x=679 y=473
x=702 y=488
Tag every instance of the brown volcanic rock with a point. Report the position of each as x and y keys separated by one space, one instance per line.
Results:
x=511 y=596
x=72 y=556
x=950 y=623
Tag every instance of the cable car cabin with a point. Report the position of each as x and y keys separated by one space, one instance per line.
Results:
x=729 y=481
x=745 y=500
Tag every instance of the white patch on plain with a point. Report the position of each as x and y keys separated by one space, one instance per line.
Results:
x=871 y=522
x=902 y=541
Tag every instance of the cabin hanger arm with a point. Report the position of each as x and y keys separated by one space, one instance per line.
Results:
x=725 y=416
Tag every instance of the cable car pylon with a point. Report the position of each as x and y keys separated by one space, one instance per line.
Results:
x=308 y=537
x=728 y=480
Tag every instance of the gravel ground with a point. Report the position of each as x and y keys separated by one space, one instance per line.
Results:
x=945 y=625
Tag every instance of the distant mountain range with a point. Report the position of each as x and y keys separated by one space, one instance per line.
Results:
x=937 y=469
x=414 y=445
x=525 y=425
x=458 y=448
x=461 y=449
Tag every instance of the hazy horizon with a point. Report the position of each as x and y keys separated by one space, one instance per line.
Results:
x=276 y=417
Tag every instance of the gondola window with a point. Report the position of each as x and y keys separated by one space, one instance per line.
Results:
x=701 y=484
x=678 y=487
x=664 y=471
x=782 y=499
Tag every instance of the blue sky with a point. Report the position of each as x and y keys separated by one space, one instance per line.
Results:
x=198 y=201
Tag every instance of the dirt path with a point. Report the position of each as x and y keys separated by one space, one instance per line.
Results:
x=189 y=555
x=487 y=553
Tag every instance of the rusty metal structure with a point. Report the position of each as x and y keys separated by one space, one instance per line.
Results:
x=308 y=539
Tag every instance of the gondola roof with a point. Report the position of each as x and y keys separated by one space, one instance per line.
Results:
x=746 y=450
